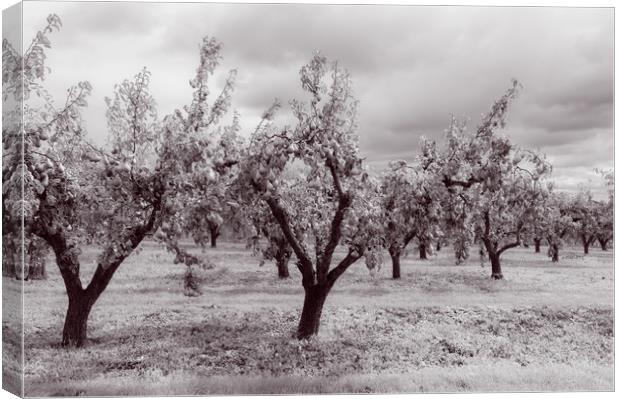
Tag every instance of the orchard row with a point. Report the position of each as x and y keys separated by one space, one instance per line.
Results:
x=296 y=191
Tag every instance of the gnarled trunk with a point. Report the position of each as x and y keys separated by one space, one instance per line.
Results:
x=311 y=313
x=537 y=245
x=395 y=255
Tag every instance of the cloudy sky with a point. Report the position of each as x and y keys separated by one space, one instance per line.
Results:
x=412 y=66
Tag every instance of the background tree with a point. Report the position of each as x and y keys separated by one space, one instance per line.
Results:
x=490 y=183
x=424 y=244
x=559 y=225
x=35 y=252
x=604 y=212
x=336 y=202
x=265 y=236
x=211 y=205
x=584 y=209
x=409 y=209
x=550 y=220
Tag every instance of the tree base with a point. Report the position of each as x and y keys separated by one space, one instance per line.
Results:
x=76 y=321
x=497 y=276
x=311 y=313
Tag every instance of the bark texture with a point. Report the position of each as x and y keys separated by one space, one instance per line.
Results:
x=310 y=320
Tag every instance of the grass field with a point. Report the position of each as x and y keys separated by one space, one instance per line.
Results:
x=441 y=328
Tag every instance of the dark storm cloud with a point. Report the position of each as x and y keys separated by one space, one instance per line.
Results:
x=412 y=67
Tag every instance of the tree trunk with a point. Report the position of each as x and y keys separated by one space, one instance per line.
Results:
x=537 y=245
x=395 y=255
x=311 y=313
x=81 y=300
x=555 y=253
x=74 y=331
x=214 y=230
x=422 y=249
x=496 y=267
x=603 y=244
x=282 y=264
x=586 y=244
x=438 y=247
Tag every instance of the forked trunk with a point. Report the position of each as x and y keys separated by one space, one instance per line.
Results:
x=76 y=320
x=311 y=313
x=82 y=300
x=395 y=255
x=603 y=244
x=537 y=245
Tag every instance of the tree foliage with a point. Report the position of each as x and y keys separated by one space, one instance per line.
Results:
x=335 y=202
x=411 y=209
x=491 y=184
x=142 y=181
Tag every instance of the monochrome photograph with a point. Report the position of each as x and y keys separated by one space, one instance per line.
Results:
x=217 y=198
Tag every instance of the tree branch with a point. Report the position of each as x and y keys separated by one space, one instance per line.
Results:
x=409 y=236
x=341 y=268
x=111 y=261
x=335 y=233
x=304 y=263
x=508 y=246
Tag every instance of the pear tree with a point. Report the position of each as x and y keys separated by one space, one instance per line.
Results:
x=490 y=184
x=55 y=180
x=336 y=203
